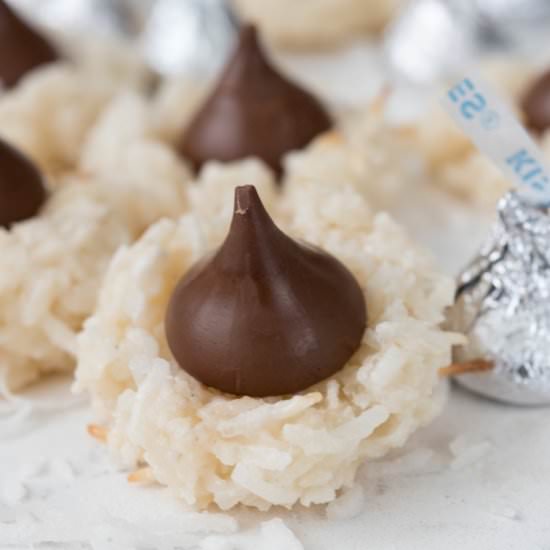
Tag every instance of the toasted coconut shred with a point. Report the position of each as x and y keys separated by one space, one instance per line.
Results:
x=210 y=447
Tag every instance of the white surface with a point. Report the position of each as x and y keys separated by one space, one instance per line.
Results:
x=497 y=498
x=476 y=479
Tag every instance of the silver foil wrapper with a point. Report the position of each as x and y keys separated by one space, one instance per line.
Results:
x=175 y=37
x=187 y=36
x=503 y=307
x=77 y=16
x=434 y=39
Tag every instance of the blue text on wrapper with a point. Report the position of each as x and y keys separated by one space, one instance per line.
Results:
x=471 y=101
x=473 y=104
x=528 y=169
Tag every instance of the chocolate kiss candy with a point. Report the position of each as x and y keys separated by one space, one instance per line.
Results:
x=22 y=192
x=502 y=307
x=536 y=104
x=265 y=315
x=253 y=111
x=21 y=48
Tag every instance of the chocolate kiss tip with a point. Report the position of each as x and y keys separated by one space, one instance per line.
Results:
x=246 y=197
x=265 y=315
x=22 y=192
x=251 y=224
x=252 y=111
x=22 y=48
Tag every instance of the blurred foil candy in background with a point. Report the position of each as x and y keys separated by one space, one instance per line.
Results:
x=95 y=16
x=503 y=307
x=187 y=35
x=175 y=36
x=433 y=39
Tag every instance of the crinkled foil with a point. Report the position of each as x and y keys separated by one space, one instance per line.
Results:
x=187 y=36
x=93 y=16
x=503 y=307
x=175 y=36
x=433 y=39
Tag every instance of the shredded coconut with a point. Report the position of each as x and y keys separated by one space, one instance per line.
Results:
x=127 y=179
x=124 y=149
x=56 y=262
x=365 y=150
x=209 y=447
x=47 y=115
x=467 y=452
x=272 y=535
x=56 y=259
x=348 y=505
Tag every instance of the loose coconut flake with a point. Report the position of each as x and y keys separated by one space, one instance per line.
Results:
x=272 y=535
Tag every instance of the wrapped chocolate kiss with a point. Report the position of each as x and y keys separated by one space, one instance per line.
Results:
x=22 y=191
x=265 y=315
x=253 y=111
x=21 y=47
x=503 y=307
x=503 y=299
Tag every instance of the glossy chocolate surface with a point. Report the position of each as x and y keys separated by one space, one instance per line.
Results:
x=22 y=48
x=253 y=111
x=22 y=191
x=536 y=104
x=265 y=315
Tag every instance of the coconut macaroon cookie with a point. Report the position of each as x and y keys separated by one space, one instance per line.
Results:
x=255 y=111
x=59 y=231
x=55 y=247
x=242 y=355
x=126 y=149
x=364 y=149
x=322 y=23
x=251 y=111
x=53 y=250
x=50 y=94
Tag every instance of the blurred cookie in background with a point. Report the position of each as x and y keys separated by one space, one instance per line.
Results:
x=319 y=24
x=54 y=86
